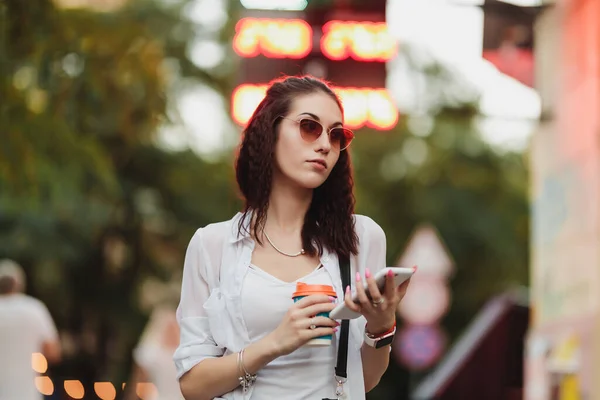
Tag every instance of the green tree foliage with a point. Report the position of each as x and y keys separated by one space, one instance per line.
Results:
x=88 y=203
x=96 y=211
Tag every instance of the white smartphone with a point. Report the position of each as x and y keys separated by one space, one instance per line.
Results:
x=401 y=275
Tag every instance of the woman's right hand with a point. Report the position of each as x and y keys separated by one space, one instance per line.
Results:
x=294 y=330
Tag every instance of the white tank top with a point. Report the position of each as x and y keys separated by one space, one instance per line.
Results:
x=308 y=372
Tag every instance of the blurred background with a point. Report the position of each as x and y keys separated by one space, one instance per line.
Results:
x=476 y=151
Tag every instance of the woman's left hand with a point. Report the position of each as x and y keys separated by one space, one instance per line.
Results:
x=380 y=310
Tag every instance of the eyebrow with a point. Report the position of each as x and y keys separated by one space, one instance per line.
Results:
x=318 y=119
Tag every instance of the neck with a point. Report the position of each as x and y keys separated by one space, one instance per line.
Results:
x=288 y=205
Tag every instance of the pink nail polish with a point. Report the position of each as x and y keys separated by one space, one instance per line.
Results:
x=348 y=289
x=390 y=273
x=335 y=329
x=367 y=273
x=332 y=299
x=357 y=277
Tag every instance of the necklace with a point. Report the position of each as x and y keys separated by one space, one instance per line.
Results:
x=301 y=252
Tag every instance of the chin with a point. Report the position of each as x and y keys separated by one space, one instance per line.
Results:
x=311 y=183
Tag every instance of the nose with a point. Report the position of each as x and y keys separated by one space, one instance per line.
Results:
x=323 y=144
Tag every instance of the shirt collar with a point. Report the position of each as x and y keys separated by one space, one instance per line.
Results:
x=236 y=235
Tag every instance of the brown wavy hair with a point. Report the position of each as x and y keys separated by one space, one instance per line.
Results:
x=329 y=221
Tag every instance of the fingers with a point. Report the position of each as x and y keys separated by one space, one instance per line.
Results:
x=321 y=322
x=401 y=290
x=374 y=292
x=318 y=308
x=390 y=288
x=314 y=299
x=321 y=331
x=349 y=303
x=323 y=326
x=365 y=303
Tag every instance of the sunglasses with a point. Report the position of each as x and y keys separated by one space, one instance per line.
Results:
x=310 y=130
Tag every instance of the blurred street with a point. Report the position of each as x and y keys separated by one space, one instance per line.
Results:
x=476 y=126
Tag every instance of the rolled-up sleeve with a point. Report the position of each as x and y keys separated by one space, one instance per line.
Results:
x=196 y=342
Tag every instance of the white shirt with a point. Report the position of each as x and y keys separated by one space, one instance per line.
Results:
x=210 y=311
x=157 y=362
x=310 y=366
x=25 y=324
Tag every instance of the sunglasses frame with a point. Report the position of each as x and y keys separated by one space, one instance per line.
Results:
x=322 y=130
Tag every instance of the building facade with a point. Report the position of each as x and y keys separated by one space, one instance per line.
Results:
x=562 y=360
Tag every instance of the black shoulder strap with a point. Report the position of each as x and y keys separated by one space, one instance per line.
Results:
x=342 y=356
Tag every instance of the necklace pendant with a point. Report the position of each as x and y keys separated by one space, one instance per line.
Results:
x=301 y=252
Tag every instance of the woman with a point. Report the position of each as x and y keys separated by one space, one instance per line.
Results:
x=242 y=336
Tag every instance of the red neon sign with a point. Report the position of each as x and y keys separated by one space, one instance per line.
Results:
x=274 y=38
x=292 y=38
x=362 y=106
x=362 y=41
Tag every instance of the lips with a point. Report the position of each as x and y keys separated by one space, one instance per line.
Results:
x=320 y=162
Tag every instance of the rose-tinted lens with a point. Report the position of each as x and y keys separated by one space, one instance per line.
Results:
x=341 y=137
x=310 y=130
x=337 y=138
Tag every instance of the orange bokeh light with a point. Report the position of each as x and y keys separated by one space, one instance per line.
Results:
x=105 y=390
x=44 y=385
x=273 y=38
x=362 y=106
x=362 y=41
x=39 y=363
x=74 y=388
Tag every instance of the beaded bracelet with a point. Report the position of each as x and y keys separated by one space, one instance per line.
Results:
x=246 y=379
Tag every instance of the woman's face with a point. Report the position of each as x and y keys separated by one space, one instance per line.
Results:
x=306 y=163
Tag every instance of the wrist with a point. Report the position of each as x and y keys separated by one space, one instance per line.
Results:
x=259 y=354
x=375 y=330
x=270 y=347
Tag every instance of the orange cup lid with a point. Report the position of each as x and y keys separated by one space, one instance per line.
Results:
x=304 y=289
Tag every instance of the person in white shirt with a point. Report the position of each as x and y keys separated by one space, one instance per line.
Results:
x=153 y=357
x=26 y=327
x=242 y=336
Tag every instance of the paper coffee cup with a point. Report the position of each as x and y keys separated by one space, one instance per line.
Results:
x=303 y=290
